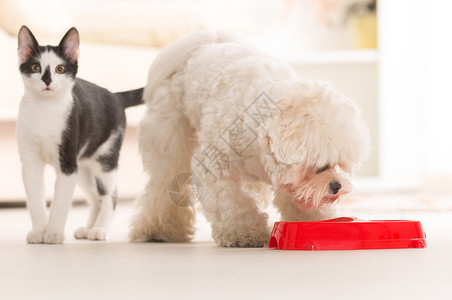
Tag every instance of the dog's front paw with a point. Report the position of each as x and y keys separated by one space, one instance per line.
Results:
x=97 y=234
x=35 y=237
x=81 y=233
x=145 y=232
x=138 y=235
x=243 y=238
x=53 y=237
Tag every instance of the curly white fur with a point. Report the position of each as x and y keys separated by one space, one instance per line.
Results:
x=229 y=114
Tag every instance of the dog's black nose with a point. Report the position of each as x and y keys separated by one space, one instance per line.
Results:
x=335 y=186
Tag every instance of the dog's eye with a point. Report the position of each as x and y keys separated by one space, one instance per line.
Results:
x=324 y=168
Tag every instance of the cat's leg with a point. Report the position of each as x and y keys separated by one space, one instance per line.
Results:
x=88 y=184
x=166 y=146
x=33 y=179
x=291 y=212
x=64 y=189
x=107 y=198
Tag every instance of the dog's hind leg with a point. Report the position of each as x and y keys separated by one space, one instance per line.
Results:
x=166 y=146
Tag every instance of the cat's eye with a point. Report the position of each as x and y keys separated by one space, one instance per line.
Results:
x=60 y=69
x=36 y=68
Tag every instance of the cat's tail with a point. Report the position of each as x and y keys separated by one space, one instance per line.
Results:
x=176 y=53
x=131 y=98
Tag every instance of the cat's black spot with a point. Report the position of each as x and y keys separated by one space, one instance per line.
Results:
x=70 y=68
x=47 y=77
x=96 y=115
x=25 y=68
x=70 y=140
x=100 y=187
x=109 y=161
x=102 y=116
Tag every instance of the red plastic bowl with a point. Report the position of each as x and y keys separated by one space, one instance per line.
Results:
x=347 y=234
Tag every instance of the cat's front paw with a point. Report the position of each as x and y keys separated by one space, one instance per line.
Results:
x=53 y=237
x=97 y=234
x=35 y=237
x=81 y=233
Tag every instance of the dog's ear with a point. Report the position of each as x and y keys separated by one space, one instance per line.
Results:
x=318 y=135
x=318 y=126
x=297 y=139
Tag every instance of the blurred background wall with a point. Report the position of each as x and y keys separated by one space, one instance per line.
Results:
x=391 y=57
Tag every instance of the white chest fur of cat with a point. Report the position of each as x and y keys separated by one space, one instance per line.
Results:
x=74 y=126
x=40 y=125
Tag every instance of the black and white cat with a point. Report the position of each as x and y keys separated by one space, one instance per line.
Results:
x=73 y=125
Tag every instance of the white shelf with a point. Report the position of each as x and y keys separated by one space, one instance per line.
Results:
x=354 y=56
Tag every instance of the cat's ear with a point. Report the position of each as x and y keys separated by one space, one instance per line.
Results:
x=69 y=45
x=27 y=44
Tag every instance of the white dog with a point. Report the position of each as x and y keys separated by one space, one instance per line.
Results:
x=227 y=113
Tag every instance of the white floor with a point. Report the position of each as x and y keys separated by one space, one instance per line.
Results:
x=117 y=269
